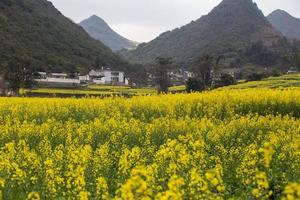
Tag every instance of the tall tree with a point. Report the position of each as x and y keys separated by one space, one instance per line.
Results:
x=18 y=74
x=204 y=67
x=160 y=71
x=293 y=59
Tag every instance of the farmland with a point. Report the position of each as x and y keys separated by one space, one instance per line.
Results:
x=238 y=144
x=96 y=91
x=282 y=82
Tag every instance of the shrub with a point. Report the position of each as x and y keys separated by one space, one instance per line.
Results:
x=226 y=79
x=194 y=85
x=255 y=76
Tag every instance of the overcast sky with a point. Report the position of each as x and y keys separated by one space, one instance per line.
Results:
x=143 y=20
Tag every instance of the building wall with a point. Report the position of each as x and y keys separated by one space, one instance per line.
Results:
x=59 y=82
x=110 y=76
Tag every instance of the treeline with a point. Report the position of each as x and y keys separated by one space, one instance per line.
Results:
x=208 y=74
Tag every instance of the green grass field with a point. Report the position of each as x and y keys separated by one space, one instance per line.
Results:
x=98 y=90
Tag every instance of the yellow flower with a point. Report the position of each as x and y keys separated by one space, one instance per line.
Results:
x=292 y=192
x=33 y=196
x=83 y=195
x=2 y=183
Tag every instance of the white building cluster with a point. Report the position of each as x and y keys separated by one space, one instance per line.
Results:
x=103 y=76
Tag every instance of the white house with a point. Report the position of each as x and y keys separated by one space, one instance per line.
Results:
x=84 y=79
x=107 y=76
x=58 y=75
x=95 y=77
x=42 y=75
x=292 y=71
x=56 y=79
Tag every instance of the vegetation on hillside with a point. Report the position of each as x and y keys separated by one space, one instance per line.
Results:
x=229 y=30
x=34 y=32
x=285 y=23
x=281 y=82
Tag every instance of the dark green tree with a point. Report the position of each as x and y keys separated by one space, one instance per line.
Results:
x=225 y=80
x=194 y=85
x=258 y=54
x=28 y=76
x=293 y=60
x=18 y=76
x=160 y=72
x=204 y=67
x=13 y=75
x=255 y=76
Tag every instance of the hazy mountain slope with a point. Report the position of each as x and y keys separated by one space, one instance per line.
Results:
x=36 y=31
x=288 y=25
x=100 y=30
x=228 y=28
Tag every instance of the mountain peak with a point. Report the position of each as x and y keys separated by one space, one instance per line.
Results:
x=94 y=19
x=238 y=7
x=230 y=27
x=97 y=28
x=238 y=2
x=288 y=25
x=280 y=12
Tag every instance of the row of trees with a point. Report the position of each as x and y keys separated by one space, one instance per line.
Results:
x=203 y=70
x=205 y=67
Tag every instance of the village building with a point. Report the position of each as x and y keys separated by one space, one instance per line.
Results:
x=42 y=75
x=56 y=80
x=58 y=75
x=107 y=76
x=292 y=71
x=179 y=77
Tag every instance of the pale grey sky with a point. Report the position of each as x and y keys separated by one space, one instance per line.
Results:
x=143 y=20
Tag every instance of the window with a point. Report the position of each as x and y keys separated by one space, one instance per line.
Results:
x=115 y=79
x=115 y=73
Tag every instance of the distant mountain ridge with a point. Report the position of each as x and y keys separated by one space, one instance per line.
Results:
x=288 y=25
x=97 y=28
x=227 y=29
x=34 y=30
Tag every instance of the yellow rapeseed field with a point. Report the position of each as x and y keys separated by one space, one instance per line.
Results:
x=227 y=144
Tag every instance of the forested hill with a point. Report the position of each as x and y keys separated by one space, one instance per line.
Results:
x=35 y=31
x=285 y=23
x=228 y=29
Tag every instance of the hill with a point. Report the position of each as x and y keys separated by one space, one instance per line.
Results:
x=35 y=31
x=227 y=30
x=100 y=30
x=288 y=25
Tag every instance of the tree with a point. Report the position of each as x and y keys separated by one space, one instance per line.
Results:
x=12 y=75
x=255 y=76
x=259 y=54
x=137 y=74
x=28 y=77
x=160 y=71
x=18 y=76
x=194 y=85
x=225 y=80
x=293 y=59
x=203 y=68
